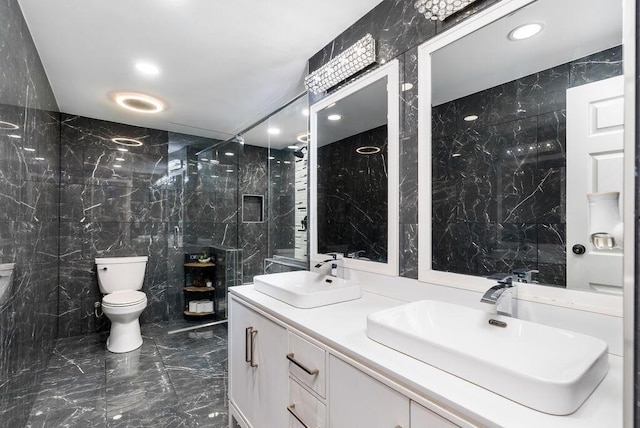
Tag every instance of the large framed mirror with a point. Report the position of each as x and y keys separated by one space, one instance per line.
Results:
x=354 y=170
x=517 y=144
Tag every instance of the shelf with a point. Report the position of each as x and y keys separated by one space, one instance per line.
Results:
x=199 y=265
x=200 y=289
x=198 y=314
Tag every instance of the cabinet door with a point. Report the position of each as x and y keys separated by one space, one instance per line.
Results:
x=258 y=387
x=422 y=417
x=357 y=400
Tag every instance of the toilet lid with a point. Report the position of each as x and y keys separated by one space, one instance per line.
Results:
x=124 y=298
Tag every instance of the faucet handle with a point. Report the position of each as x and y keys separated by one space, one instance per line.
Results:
x=525 y=276
x=336 y=256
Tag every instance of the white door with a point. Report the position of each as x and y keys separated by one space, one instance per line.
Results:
x=595 y=126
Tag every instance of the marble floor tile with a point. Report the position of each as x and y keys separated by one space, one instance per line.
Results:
x=172 y=380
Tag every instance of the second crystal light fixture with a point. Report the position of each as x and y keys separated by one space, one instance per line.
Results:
x=440 y=9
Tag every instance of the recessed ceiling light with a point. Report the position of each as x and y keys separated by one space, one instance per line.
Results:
x=117 y=166
x=139 y=103
x=39 y=159
x=122 y=149
x=204 y=160
x=271 y=157
x=129 y=142
x=28 y=149
x=273 y=131
x=525 y=31
x=8 y=125
x=292 y=147
x=470 y=118
x=334 y=117
x=287 y=162
x=303 y=137
x=228 y=154
x=14 y=136
x=368 y=150
x=147 y=68
x=229 y=170
x=120 y=159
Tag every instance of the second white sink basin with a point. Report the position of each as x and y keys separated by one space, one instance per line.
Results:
x=545 y=368
x=304 y=289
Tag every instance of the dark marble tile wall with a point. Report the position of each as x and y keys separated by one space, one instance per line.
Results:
x=399 y=29
x=508 y=167
x=282 y=214
x=113 y=203
x=253 y=179
x=29 y=180
x=352 y=196
x=196 y=184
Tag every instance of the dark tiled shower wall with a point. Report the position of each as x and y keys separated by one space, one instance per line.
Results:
x=113 y=203
x=352 y=196
x=399 y=29
x=507 y=169
x=28 y=216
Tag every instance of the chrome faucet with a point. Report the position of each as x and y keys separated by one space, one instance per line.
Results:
x=336 y=260
x=525 y=276
x=501 y=295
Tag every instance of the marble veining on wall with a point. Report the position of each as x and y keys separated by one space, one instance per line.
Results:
x=113 y=203
x=352 y=196
x=508 y=168
x=29 y=178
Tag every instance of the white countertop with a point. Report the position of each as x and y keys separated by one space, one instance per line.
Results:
x=343 y=327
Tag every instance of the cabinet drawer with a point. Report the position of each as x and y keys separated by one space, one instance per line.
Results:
x=304 y=406
x=307 y=363
x=422 y=417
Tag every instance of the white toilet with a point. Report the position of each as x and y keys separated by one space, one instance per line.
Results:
x=119 y=279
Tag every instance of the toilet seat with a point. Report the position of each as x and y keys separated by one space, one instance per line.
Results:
x=124 y=298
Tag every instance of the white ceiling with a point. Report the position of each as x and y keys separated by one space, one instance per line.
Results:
x=572 y=29
x=224 y=64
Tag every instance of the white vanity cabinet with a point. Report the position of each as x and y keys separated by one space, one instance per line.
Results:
x=257 y=367
x=281 y=377
x=357 y=400
x=425 y=418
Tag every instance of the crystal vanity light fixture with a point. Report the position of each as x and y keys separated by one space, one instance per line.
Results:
x=440 y=9
x=355 y=58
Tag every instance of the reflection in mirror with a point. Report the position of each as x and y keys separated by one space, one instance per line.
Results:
x=520 y=137
x=352 y=175
x=285 y=135
x=355 y=140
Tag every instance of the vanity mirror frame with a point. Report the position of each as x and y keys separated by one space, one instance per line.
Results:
x=392 y=73
x=583 y=300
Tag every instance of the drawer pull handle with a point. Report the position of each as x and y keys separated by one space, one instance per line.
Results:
x=305 y=369
x=247 y=334
x=254 y=333
x=291 y=410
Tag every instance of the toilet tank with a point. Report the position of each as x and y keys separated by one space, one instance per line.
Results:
x=121 y=273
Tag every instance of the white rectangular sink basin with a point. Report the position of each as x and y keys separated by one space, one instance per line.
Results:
x=304 y=289
x=545 y=368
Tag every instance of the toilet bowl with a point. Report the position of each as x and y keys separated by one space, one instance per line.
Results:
x=119 y=279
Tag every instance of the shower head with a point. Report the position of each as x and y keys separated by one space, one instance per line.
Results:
x=298 y=153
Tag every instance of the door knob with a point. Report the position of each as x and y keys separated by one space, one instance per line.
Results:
x=578 y=249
